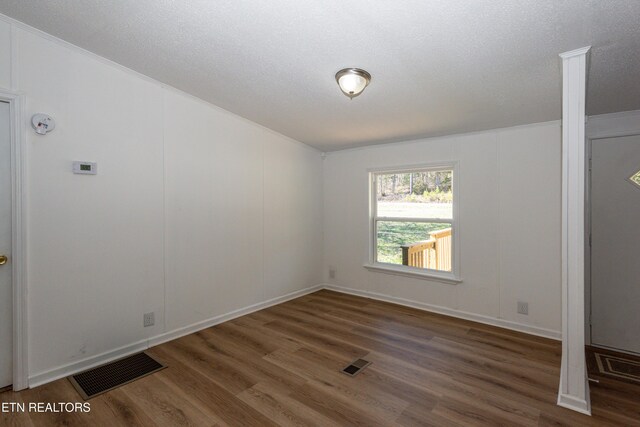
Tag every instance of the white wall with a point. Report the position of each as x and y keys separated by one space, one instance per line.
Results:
x=509 y=224
x=94 y=242
x=5 y=54
x=614 y=124
x=194 y=212
x=244 y=212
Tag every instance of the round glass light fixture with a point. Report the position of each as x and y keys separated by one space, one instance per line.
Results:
x=352 y=81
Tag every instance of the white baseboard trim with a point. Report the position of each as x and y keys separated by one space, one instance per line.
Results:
x=124 y=351
x=507 y=324
x=177 y=333
x=575 y=404
x=111 y=355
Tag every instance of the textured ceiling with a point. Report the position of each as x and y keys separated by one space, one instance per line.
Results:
x=438 y=66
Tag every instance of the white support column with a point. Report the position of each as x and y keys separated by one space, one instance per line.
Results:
x=574 y=385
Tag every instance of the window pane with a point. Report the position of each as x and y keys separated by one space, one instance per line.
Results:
x=415 y=244
x=415 y=195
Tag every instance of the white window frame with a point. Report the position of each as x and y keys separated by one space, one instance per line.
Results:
x=452 y=276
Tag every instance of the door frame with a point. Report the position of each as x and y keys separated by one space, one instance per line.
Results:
x=18 y=238
x=614 y=125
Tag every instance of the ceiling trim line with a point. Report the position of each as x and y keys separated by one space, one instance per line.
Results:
x=49 y=37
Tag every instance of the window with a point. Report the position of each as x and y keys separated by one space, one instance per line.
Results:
x=413 y=221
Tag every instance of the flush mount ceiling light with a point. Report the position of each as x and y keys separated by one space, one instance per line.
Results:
x=352 y=81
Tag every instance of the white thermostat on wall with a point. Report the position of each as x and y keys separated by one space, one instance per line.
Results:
x=85 y=168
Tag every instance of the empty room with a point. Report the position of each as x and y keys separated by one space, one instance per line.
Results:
x=320 y=213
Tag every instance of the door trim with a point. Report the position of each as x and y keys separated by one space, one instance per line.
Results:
x=596 y=137
x=18 y=242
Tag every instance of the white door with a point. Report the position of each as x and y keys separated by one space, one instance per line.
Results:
x=6 y=305
x=615 y=247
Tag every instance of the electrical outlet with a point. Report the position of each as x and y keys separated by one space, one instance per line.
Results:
x=149 y=319
x=332 y=272
x=523 y=307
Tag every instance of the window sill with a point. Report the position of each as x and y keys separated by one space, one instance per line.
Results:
x=414 y=272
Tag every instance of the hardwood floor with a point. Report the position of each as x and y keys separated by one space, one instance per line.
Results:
x=280 y=366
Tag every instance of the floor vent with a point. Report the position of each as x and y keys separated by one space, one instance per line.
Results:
x=356 y=367
x=115 y=374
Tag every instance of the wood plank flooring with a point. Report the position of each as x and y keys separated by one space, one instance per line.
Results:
x=280 y=366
